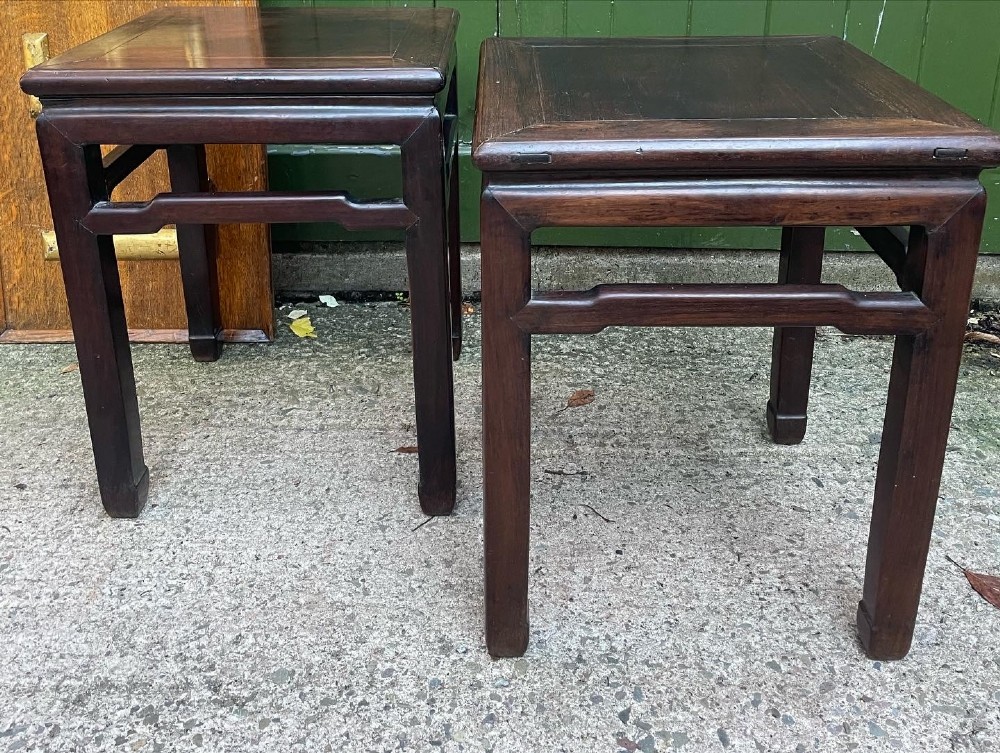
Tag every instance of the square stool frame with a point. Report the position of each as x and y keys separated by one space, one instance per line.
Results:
x=71 y=131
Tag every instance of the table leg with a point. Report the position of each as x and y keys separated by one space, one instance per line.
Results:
x=75 y=181
x=922 y=382
x=454 y=258
x=792 y=350
x=430 y=312
x=506 y=261
x=196 y=246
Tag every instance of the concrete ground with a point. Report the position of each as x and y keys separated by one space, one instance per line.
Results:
x=693 y=585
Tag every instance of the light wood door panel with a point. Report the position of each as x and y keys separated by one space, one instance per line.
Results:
x=34 y=298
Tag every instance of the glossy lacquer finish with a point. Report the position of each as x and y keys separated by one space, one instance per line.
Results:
x=283 y=50
x=700 y=102
x=798 y=132
x=180 y=78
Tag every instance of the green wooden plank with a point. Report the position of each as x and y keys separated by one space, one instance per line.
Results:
x=891 y=31
x=991 y=227
x=338 y=3
x=532 y=18
x=961 y=54
x=640 y=18
x=807 y=17
x=478 y=21
x=994 y=121
x=589 y=18
x=727 y=17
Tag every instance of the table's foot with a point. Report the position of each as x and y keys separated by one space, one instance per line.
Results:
x=125 y=501
x=436 y=501
x=205 y=348
x=506 y=641
x=885 y=642
x=785 y=429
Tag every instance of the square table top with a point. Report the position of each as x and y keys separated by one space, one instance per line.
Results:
x=710 y=103
x=271 y=51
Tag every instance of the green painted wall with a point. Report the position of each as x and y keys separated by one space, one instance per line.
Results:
x=951 y=47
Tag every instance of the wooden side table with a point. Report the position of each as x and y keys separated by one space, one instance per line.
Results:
x=802 y=133
x=179 y=78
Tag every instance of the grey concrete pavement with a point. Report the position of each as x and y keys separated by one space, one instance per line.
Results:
x=275 y=596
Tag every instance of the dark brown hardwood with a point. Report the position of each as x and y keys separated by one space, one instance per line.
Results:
x=180 y=78
x=792 y=349
x=698 y=103
x=260 y=51
x=802 y=133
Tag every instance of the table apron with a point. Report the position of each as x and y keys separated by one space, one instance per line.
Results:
x=735 y=201
x=727 y=305
x=238 y=124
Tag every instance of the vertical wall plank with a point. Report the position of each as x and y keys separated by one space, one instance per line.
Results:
x=588 y=18
x=727 y=17
x=640 y=18
x=807 y=17
x=961 y=54
x=891 y=31
x=522 y=18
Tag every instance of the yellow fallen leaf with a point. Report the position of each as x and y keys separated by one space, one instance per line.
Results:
x=303 y=327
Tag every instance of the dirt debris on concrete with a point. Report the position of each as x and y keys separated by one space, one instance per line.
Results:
x=693 y=585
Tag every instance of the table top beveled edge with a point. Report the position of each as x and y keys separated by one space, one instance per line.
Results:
x=57 y=78
x=529 y=145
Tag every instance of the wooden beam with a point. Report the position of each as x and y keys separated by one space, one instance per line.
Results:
x=109 y=218
x=767 y=305
x=122 y=160
x=890 y=245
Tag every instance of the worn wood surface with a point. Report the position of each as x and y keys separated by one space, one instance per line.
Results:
x=210 y=50
x=32 y=287
x=683 y=103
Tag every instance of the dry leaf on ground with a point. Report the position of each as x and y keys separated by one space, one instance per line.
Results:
x=68 y=369
x=987 y=586
x=580 y=398
x=296 y=313
x=468 y=308
x=303 y=327
x=982 y=337
x=408 y=449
